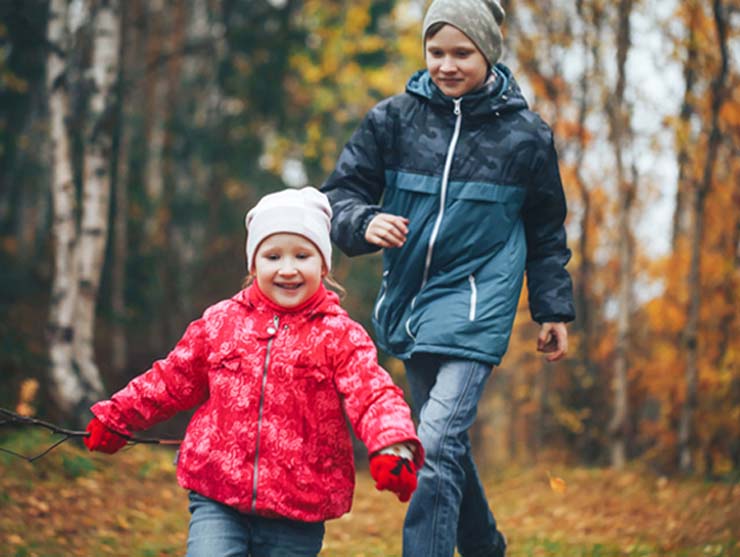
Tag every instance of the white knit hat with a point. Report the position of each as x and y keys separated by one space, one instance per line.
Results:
x=305 y=211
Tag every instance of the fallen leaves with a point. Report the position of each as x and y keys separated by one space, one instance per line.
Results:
x=130 y=504
x=558 y=485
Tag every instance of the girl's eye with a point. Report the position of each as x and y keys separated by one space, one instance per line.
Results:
x=272 y=256
x=303 y=255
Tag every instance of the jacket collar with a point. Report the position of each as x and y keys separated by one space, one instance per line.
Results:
x=496 y=96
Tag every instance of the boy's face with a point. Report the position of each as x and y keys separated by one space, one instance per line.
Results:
x=288 y=268
x=456 y=65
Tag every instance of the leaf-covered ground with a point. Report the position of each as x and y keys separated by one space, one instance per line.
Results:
x=72 y=504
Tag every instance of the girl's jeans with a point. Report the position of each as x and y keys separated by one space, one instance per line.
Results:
x=449 y=506
x=217 y=530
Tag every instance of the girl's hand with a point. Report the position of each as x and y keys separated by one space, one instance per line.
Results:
x=553 y=341
x=102 y=438
x=387 y=231
x=394 y=473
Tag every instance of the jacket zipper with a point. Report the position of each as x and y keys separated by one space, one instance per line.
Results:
x=442 y=200
x=473 y=297
x=384 y=286
x=275 y=321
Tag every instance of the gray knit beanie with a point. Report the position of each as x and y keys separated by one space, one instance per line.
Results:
x=478 y=19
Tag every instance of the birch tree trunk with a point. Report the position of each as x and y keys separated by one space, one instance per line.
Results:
x=79 y=249
x=96 y=188
x=66 y=389
x=619 y=130
x=686 y=437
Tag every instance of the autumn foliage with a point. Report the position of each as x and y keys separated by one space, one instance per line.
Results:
x=212 y=111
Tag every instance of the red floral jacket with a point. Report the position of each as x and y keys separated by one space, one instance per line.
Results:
x=274 y=390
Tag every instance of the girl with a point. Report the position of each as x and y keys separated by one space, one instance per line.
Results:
x=459 y=182
x=275 y=372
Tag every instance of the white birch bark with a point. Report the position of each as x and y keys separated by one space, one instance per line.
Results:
x=66 y=389
x=96 y=188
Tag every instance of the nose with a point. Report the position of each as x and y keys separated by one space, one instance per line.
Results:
x=448 y=65
x=288 y=267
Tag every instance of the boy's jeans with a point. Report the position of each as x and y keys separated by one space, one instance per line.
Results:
x=217 y=530
x=449 y=506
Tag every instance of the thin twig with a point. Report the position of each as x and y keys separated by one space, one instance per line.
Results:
x=12 y=418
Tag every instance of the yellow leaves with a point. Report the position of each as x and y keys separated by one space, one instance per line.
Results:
x=29 y=389
x=14 y=539
x=558 y=485
x=357 y=19
x=570 y=419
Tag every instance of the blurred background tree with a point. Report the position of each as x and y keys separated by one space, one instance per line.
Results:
x=209 y=104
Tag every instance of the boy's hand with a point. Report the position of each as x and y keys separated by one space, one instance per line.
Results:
x=553 y=341
x=387 y=231
x=102 y=438
x=394 y=473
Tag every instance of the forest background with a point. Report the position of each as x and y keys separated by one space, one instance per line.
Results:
x=135 y=134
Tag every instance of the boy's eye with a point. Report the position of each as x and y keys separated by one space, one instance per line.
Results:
x=272 y=256
x=303 y=255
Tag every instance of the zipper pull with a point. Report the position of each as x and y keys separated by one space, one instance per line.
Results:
x=457 y=102
x=274 y=327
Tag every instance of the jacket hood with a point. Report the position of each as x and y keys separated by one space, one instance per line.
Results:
x=500 y=95
x=322 y=302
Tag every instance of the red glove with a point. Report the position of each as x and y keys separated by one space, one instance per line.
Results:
x=394 y=473
x=102 y=438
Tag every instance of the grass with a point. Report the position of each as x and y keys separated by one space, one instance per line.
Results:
x=72 y=503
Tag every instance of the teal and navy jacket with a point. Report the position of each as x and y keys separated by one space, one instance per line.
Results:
x=478 y=179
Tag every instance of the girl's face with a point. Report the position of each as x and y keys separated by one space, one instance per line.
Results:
x=455 y=64
x=288 y=268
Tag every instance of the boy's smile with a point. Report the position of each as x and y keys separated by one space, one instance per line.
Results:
x=455 y=64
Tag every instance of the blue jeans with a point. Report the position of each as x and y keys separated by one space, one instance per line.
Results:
x=217 y=530
x=449 y=506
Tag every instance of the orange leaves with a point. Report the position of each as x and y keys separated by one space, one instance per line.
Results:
x=27 y=396
x=558 y=485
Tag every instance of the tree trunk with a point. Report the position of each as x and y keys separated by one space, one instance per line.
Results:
x=130 y=40
x=96 y=188
x=620 y=130
x=66 y=389
x=587 y=380
x=685 y=137
x=200 y=103
x=686 y=437
x=157 y=116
